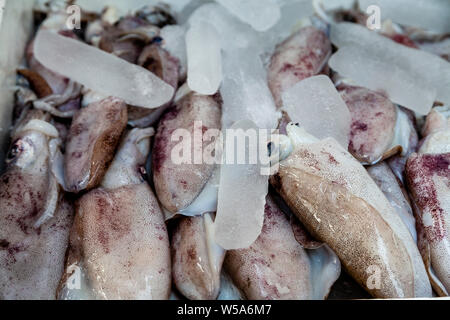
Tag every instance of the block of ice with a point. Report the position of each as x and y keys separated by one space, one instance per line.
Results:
x=100 y=71
x=245 y=92
x=203 y=58
x=411 y=77
x=293 y=14
x=260 y=14
x=240 y=209
x=433 y=15
x=315 y=103
x=233 y=32
x=175 y=44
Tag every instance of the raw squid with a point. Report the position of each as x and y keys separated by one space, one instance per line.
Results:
x=428 y=176
x=92 y=140
x=379 y=129
x=196 y=258
x=373 y=123
x=429 y=180
x=34 y=220
x=119 y=245
x=302 y=55
x=178 y=185
x=276 y=266
x=396 y=194
x=339 y=204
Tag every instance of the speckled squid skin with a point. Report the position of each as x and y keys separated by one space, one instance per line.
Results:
x=275 y=266
x=428 y=177
x=31 y=259
x=178 y=185
x=302 y=55
x=93 y=137
x=194 y=272
x=124 y=243
x=119 y=235
x=339 y=204
x=373 y=123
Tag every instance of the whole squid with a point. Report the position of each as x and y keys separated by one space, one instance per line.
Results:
x=119 y=245
x=428 y=177
x=302 y=55
x=35 y=219
x=177 y=186
x=92 y=139
x=334 y=197
x=379 y=129
x=277 y=266
x=197 y=259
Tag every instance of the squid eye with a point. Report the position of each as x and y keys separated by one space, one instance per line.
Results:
x=15 y=150
x=142 y=171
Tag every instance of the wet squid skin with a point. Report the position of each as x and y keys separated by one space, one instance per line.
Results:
x=373 y=123
x=395 y=192
x=196 y=260
x=31 y=256
x=339 y=204
x=178 y=185
x=302 y=55
x=92 y=140
x=275 y=266
x=428 y=177
x=119 y=237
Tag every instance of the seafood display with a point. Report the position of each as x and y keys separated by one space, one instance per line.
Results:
x=229 y=150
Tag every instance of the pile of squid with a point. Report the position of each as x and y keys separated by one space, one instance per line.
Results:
x=92 y=206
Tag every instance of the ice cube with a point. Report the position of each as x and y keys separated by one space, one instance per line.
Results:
x=240 y=209
x=100 y=71
x=233 y=33
x=245 y=92
x=433 y=15
x=315 y=103
x=175 y=44
x=204 y=58
x=260 y=14
x=411 y=77
x=293 y=14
